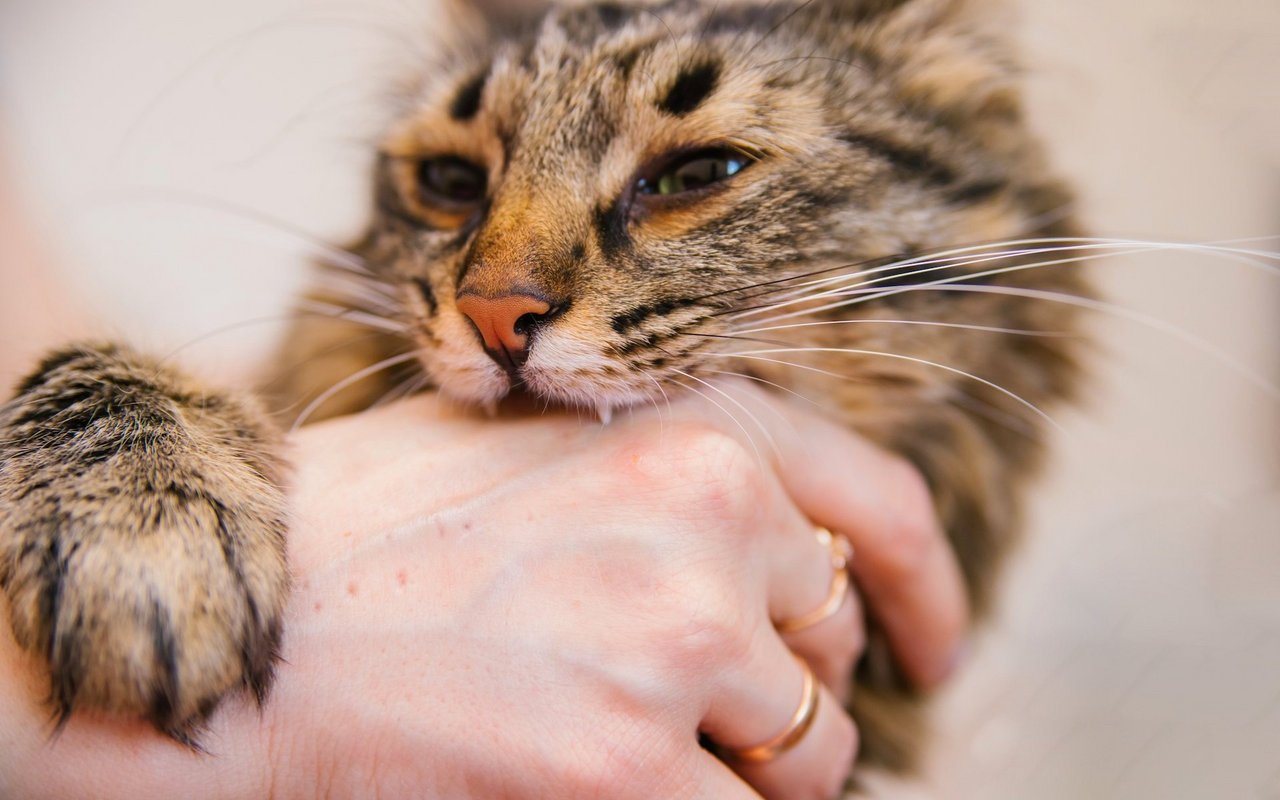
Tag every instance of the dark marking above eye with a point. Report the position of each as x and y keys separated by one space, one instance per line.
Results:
x=905 y=158
x=466 y=103
x=692 y=87
x=977 y=191
x=578 y=252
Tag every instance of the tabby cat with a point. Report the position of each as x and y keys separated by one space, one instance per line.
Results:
x=593 y=206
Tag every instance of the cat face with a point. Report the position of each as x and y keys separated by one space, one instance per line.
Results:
x=580 y=208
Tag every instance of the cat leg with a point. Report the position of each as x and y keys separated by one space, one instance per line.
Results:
x=142 y=527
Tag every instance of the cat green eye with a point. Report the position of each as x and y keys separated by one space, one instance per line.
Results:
x=451 y=183
x=694 y=171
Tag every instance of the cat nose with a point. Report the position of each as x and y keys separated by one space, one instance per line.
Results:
x=504 y=323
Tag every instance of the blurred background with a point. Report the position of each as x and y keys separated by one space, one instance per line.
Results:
x=183 y=157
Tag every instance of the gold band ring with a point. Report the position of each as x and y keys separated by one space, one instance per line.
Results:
x=841 y=552
x=799 y=725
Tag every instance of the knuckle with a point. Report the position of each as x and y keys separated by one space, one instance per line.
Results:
x=726 y=477
x=706 y=631
x=707 y=471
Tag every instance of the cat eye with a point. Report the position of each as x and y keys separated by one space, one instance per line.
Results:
x=450 y=183
x=694 y=171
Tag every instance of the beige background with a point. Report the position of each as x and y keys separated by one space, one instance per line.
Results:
x=1139 y=652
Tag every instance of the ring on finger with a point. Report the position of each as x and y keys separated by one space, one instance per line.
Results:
x=841 y=551
x=789 y=737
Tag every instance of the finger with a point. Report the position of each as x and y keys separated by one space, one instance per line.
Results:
x=759 y=702
x=812 y=604
x=809 y=588
x=796 y=774
x=832 y=645
x=902 y=561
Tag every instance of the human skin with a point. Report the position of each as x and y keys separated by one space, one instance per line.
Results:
x=558 y=618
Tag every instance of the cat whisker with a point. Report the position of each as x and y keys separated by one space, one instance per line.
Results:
x=654 y=400
x=858 y=281
x=877 y=293
x=913 y=359
x=321 y=310
x=928 y=323
x=885 y=263
x=324 y=396
x=359 y=316
x=957 y=397
x=1132 y=315
x=736 y=338
x=406 y=388
x=374 y=290
x=999 y=416
x=293 y=367
x=750 y=439
x=975 y=254
x=784 y=21
x=772 y=384
x=334 y=256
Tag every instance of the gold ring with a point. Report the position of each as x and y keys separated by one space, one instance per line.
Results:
x=799 y=725
x=841 y=552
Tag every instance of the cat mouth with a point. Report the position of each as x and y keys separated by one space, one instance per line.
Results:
x=544 y=381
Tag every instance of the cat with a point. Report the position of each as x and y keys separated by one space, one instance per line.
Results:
x=592 y=205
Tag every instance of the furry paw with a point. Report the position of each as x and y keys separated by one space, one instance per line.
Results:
x=141 y=538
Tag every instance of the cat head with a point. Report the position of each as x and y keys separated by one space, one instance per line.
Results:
x=578 y=204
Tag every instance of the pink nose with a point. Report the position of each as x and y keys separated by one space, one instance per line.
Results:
x=504 y=323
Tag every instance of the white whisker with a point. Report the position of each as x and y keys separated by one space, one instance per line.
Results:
x=407 y=388
x=960 y=325
x=945 y=259
x=1023 y=427
x=750 y=439
x=882 y=354
x=1155 y=323
x=324 y=397
x=354 y=315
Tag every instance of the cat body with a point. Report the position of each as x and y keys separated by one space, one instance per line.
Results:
x=595 y=206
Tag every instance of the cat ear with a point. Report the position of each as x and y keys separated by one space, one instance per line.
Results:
x=955 y=56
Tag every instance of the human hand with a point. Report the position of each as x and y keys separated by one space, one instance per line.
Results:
x=559 y=615
x=680 y=530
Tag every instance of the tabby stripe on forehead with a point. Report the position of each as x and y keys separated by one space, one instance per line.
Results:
x=905 y=158
x=466 y=103
x=692 y=86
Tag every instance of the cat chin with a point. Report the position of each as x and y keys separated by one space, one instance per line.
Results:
x=486 y=389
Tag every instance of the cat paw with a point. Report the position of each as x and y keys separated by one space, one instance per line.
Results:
x=141 y=539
